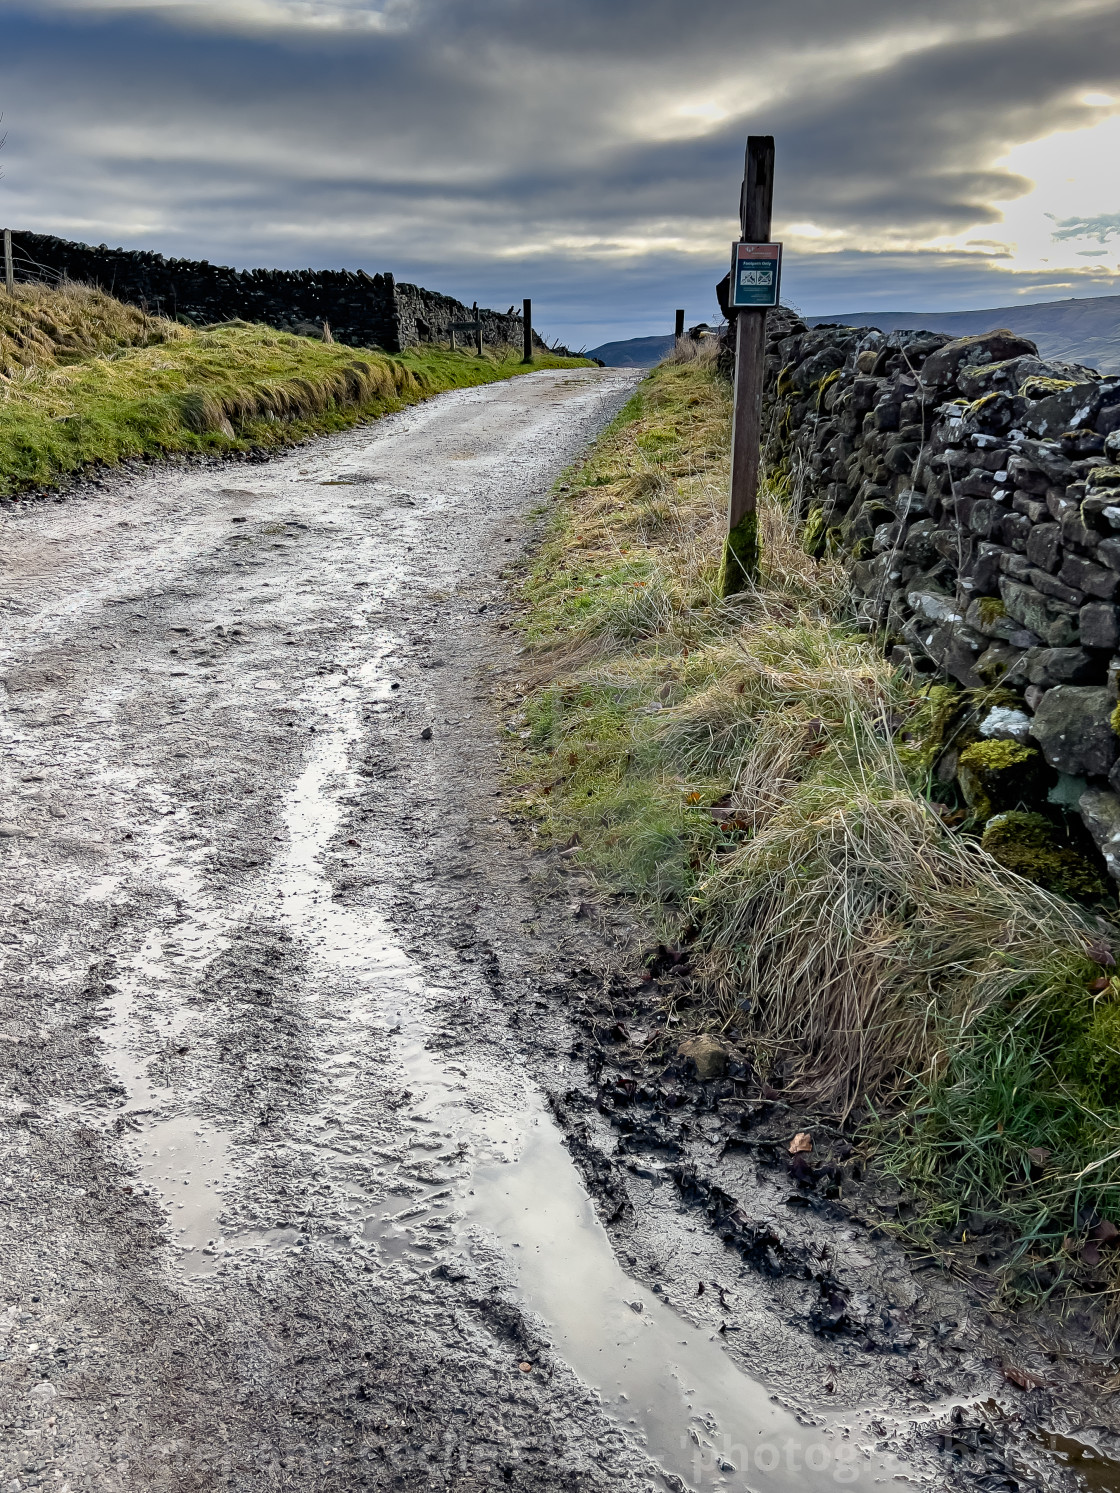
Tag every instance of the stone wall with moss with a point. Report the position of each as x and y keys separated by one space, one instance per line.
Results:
x=362 y=310
x=973 y=490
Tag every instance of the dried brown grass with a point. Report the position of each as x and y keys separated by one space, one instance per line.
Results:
x=43 y=327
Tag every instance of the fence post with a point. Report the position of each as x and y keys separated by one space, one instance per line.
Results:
x=741 y=551
x=527 y=319
x=478 y=330
x=678 y=330
x=9 y=267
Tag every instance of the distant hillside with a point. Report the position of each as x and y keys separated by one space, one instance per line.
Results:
x=1085 y=330
x=638 y=352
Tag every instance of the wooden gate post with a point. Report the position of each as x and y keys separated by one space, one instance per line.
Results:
x=527 y=318
x=9 y=267
x=678 y=330
x=478 y=330
x=741 y=550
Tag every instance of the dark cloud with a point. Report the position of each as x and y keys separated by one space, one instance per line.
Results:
x=508 y=146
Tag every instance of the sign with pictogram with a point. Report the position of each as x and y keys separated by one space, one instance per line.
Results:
x=756 y=273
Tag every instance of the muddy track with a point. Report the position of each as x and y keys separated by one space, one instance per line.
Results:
x=307 y=1181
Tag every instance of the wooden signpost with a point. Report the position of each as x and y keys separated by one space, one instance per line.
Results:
x=754 y=287
x=527 y=317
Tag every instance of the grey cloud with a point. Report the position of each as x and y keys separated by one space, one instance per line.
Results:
x=505 y=140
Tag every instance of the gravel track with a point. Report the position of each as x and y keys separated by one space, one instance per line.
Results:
x=298 y=1188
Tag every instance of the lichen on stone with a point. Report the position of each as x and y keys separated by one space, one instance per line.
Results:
x=1028 y=844
x=998 y=775
x=1114 y=720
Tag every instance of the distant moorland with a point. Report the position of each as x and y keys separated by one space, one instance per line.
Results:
x=1080 y=331
x=1083 y=330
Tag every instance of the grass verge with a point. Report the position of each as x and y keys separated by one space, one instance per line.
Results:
x=87 y=381
x=755 y=775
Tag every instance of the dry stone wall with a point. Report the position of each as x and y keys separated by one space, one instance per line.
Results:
x=973 y=490
x=361 y=310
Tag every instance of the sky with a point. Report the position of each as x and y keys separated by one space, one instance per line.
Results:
x=588 y=153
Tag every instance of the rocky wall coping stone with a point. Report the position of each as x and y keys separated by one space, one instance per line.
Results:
x=1099 y=625
x=1100 y=813
x=1053 y=621
x=1095 y=580
x=1073 y=728
x=1069 y=409
x=1004 y=722
x=1047 y=667
x=942 y=366
x=934 y=606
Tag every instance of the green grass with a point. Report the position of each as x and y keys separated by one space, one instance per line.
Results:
x=757 y=779
x=85 y=381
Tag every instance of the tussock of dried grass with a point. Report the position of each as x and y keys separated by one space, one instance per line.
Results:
x=843 y=916
x=701 y=350
x=854 y=925
x=43 y=327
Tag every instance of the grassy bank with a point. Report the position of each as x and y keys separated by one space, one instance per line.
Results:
x=758 y=779
x=85 y=380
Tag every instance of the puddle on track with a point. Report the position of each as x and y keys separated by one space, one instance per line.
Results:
x=179 y=1157
x=507 y=1178
x=1099 y=1473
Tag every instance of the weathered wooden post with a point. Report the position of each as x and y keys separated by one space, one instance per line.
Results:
x=527 y=320
x=9 y=266
x=755 y=284
x=477 y=329
x=678 y=330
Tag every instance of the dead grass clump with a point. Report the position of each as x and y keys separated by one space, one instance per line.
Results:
x=45 y=328
x=698 y=350
x=834 y=905
x=859 y=932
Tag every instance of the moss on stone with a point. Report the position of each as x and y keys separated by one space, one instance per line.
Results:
x=999 y=775
x=923 y=738
x=1108 y=477
x=863 y=548
x=1037 y=387
x=1028 y=844
x=785 y=382
x=1114 y=720
x=991 y=609
x=813 y=534
x=740 y=556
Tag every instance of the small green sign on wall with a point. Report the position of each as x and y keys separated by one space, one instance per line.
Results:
x=756 y=274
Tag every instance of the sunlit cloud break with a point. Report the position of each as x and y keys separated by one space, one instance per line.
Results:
x=588 y=155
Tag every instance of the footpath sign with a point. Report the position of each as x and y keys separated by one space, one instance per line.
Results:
x=756 y=274
x=753 y=287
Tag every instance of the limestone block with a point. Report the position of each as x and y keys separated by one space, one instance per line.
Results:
x=1073 y=727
